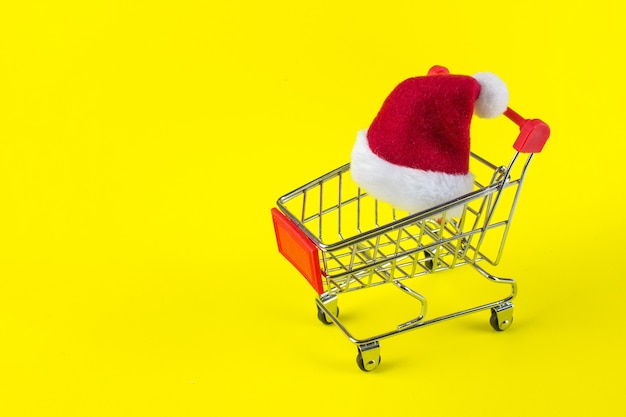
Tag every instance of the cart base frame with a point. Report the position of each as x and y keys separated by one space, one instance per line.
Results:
x=368 y=357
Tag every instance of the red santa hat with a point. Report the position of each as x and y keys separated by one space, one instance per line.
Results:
x=415 y=154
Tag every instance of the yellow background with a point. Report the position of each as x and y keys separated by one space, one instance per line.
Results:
x=142 y=145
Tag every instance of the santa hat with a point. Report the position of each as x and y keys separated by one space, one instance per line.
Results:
x=415 y=155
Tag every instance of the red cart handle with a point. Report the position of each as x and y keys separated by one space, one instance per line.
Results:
x=533 y=134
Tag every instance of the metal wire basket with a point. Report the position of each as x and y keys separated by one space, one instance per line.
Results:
x=342 y=239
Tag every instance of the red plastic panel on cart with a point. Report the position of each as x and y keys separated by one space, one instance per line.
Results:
x=298 y=249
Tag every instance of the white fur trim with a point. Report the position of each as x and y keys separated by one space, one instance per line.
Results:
x=494 y=95
x=408 y=189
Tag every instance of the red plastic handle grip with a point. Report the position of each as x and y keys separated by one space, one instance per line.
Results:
x=533 y=134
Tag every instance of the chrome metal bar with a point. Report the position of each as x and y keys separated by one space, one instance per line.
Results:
x=418 y=297
x=513 y=207
x=483 y=161
x=491 y=210
x=358 y=210
x=411 y=327
x=376 y=213
x=303 y=206
x=339 y=205
x=321 y=209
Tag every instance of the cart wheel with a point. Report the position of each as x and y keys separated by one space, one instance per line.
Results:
x=501 y=318
x=321 y=316
x=369 y=366
x=368 y=357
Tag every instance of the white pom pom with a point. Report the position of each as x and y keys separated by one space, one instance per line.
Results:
x=493 y=99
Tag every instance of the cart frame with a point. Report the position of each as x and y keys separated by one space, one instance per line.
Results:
x=342 y=240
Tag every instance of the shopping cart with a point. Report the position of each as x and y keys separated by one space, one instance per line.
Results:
x=343 y=240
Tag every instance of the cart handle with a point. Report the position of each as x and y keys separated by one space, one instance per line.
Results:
x=533 y=134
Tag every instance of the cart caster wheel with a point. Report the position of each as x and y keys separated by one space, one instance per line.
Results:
x=321 y=316
x=369 y=366
x=368 y=357
x=501 y=317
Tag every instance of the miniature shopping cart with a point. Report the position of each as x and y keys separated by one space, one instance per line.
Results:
x=342 y=240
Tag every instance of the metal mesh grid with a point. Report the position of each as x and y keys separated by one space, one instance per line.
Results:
x=364 y=242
